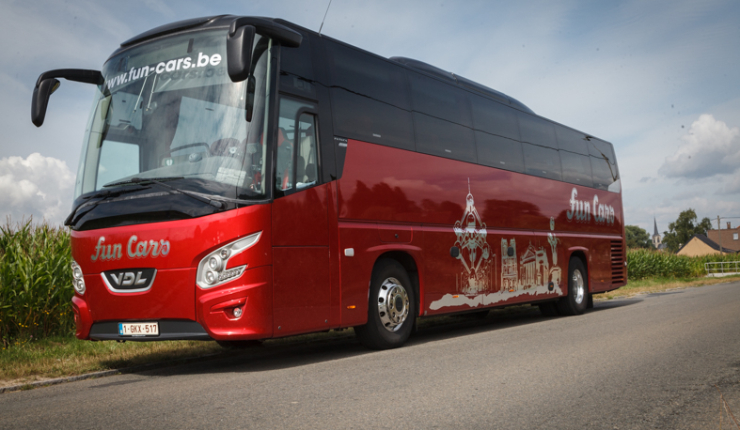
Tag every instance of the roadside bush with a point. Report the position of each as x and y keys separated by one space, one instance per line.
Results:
x=35 y=282
x=643 y=263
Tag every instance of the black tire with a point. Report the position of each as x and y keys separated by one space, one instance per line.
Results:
x=238 y=344
x=549 y=309
x=576 y=301
x=388 y=327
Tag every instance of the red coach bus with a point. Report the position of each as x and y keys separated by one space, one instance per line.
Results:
x=246 y=178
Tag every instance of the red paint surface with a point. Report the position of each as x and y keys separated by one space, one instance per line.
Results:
x=174 y=295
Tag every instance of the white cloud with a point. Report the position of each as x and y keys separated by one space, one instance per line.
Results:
x=709 y=148
x=732 y=186
x=37 y=186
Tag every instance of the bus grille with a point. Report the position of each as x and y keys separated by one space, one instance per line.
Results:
x=618 y=267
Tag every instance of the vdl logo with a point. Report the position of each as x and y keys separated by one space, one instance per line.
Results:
x=129 y=280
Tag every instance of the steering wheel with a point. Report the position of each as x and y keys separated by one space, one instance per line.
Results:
x=193 y=145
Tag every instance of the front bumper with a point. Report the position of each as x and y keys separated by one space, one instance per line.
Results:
x=214 y=314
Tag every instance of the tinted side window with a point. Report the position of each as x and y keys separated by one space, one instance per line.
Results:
x=603 y=163
x=439 y=99
x=365 y=119
x=576 y=168
x=537 y=130
x=367 y=75
x=497 y=151
x=443 y=138
x=571 y=140
x=494 y=118
x=541 y=161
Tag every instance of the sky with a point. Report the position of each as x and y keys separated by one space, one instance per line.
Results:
x=659 y=79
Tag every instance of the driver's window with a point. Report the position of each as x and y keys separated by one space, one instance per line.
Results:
x=306 y=169
x=296 y=148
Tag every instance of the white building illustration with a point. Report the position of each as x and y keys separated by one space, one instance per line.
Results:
x=476 y=275
x=528 y=274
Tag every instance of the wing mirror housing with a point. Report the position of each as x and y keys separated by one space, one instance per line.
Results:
x=47 y=84
x=239 y=52
x=41 y=94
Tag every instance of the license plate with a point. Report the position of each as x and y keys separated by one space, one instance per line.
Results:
x=138 y=329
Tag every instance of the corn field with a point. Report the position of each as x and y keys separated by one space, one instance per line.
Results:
x=644 y=264
x=35 y=282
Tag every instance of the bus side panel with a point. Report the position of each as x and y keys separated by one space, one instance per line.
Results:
x=302 y=290
x=600 y=271
x=356 y=270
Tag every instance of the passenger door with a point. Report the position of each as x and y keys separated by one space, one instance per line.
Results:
x=302 y=290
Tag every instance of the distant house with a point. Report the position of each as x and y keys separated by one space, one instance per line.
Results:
x=701 y=245
x=728 y=238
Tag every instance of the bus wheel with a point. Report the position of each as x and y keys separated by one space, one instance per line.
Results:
x=391 y=310
x=577 y=300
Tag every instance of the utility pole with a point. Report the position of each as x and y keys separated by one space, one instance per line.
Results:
x=719 y=230
x=719 y=234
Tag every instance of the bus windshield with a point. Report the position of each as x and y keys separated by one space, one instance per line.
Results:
x=168 y=109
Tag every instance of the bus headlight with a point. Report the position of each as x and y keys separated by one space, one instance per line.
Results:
x=78 y=282
x=212 y=269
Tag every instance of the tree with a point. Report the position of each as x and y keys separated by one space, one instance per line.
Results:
x=683 y=229
x=637 y=237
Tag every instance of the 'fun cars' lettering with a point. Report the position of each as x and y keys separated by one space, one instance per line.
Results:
x=582 y=210
x=144 y=249
x=134 y=249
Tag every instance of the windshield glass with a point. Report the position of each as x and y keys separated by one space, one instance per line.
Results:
x=168 y=109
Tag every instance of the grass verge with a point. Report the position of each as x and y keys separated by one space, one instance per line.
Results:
x=57 y=357
x=656 y=285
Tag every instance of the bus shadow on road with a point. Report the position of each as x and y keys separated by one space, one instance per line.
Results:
x=326 y=347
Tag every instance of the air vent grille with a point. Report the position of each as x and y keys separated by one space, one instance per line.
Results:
x=619 y=269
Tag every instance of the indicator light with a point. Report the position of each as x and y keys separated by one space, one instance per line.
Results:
x=215 y=263
x=78 y=282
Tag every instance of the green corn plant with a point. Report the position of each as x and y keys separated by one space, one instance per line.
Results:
x=35 y=282
x=644 y=263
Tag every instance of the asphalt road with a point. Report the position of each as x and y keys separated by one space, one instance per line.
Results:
x=648 y=362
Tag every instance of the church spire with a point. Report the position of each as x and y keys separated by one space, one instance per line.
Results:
x=656 y=227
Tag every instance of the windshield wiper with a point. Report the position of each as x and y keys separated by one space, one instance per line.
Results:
x=71 y=219
x=140 y=180
x=158 y=181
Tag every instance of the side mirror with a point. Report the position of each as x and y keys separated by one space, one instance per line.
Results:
x=239 y=52
x=47 y=84
x=41 y=94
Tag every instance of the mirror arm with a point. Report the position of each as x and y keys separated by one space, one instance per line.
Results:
x=280 y=33
x=77 y=75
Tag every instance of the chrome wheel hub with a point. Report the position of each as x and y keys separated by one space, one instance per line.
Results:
x=579 y=289
x=393 y=304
